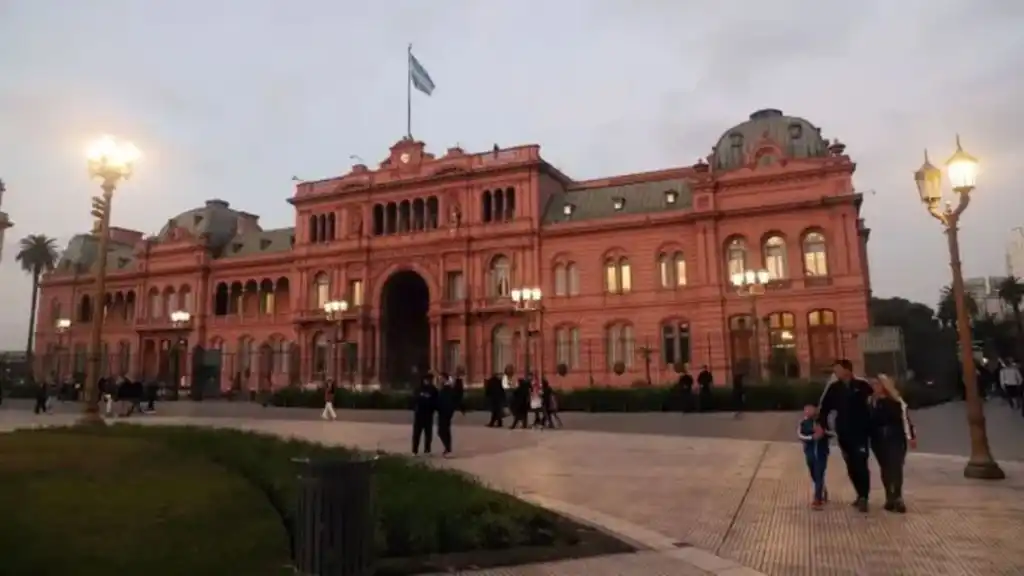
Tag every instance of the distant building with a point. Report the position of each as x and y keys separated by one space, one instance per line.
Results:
x=985 y=291
x=1015 y=253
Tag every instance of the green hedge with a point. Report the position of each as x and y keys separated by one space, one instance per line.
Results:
x=767 y=397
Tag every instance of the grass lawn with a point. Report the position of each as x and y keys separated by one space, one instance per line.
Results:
x=175 y=500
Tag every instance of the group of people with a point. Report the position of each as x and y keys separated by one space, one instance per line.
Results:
x=528 y=396
x=704 y=381
x=129 y=393
x=869 y=417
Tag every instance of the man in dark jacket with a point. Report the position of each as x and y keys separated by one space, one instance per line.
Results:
x=739 y=392
x=705 y=381
x=424 y=406
x=496 y=399
x=447 y=404
x=848 y=396
x=686 y=390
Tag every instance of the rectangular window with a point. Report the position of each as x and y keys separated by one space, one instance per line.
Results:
x=452 y=356
x=323 y=295
x=456 y=286
x=611 y=273
x=683 y=343
x=560 y=281
x=349 y=358
x=568 y=347
x=626 y=280
x=665 y=272
x=355 y=292
x=668 y=344
x=680 y=271
x=573 y=277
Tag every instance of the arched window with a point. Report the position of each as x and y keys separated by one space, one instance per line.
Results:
x=320 y=352
x=155 y=308
x=572 y=278
x=267 y=296
x=672 y=269
x=735 y=257
x=675 y=343
x=321 y=290
x=331 y=232
x=823 y=336
x=617 y=275
x=619 y=345
x=500 y=285
x=85 y=309
x=510 y=204
x=742 y=344
x=567 y=346
x=815 y=255
x=419 y=215
x=187 y=299
x=433 y=209
x=775 y=257
x=404 y=216
x=561 y=281
x=390 y=218
x=502 y=354
x=782 y=359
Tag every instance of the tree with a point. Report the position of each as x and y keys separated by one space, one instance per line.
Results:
x=929 y=350
x=1011 y=291
x=947 y=307
x=37 y=254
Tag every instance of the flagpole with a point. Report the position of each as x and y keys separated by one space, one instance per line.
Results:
x=408 y=93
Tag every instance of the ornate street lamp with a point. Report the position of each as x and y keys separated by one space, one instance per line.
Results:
x=527 y=301
x=752 y=284
x=62 y=326
x=111 y=162
x=335 y=311
x=180 y=319
x=962 y=170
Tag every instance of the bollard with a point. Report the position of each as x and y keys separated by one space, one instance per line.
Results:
x=334 y=526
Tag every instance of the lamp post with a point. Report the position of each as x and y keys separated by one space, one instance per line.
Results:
x=62 y=326
x=526 y=301
x=962 y=170
x=110 y=162
x=180 y=319
x=335 y=311
x=752 y=284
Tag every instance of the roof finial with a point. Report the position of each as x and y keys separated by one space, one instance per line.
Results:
x=958 y=148
x=926 y=156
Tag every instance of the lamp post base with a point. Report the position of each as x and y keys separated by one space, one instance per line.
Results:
x=984 y=470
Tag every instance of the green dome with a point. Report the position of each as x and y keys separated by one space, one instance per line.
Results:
x=797 y=138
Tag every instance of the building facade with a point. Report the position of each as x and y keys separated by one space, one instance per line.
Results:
x=1015 y=253
x=428 y=251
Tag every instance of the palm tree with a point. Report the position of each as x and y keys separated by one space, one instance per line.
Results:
x=38 y=255
x=1011 y=291
x=946 y=312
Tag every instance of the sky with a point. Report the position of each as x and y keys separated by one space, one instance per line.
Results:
x=231 y=98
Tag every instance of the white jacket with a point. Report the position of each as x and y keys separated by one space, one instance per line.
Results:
x=1009 y=376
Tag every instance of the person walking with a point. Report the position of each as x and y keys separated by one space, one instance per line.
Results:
x=892 y=433
x=848 y=397
x=704 y=382
x=1010 y=381
x=42 y=396
x=816 y=450
x=550 y=401
x=329 y=389
x=520 y=404
x=739 y=393
x=447 y=404
x=425 y=403
x=496 y=399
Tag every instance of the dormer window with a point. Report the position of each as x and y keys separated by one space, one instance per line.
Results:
x=795 y=131
x=568 y=209
x=736 y=140
x=671 y=196
x=264 y=243
x=618 y=203
x=197 y=220
x=237 y=247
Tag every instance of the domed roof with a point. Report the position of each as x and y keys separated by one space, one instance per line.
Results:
x=216 y=222
x=797 y=138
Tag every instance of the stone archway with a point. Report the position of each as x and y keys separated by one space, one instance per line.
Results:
x=404 y=328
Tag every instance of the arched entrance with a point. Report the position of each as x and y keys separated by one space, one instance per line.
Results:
x=405 y=329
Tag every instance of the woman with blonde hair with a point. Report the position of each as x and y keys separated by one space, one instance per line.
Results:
x=892 y=433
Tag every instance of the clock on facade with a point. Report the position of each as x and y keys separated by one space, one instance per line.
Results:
x=404 y=158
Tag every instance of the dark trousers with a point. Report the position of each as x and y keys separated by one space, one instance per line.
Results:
x=40 y=405
x=705 y=399
x=520 y=417
x=422 y=428
x=855 y=455
x=817 y=464
x=891 y=454
x=497 y=415
x=444 y=430
x=551 y=416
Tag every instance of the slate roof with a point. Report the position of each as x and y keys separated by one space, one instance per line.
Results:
x=639 y=198
x=258 y=243
x=81 y=251
x=798 y=138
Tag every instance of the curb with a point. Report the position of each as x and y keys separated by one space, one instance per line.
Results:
x=642 y=538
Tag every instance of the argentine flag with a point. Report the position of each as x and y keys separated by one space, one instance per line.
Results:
x=418 y=74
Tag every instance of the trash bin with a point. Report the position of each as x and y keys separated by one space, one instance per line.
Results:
x=334 y=528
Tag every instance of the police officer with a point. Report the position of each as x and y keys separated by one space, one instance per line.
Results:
x=424 y=406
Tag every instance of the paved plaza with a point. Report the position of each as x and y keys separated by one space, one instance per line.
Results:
x=708 y=494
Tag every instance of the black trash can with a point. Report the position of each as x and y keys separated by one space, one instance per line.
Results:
x=334 y=525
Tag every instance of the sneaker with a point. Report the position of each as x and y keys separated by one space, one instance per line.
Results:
x=861 y=504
